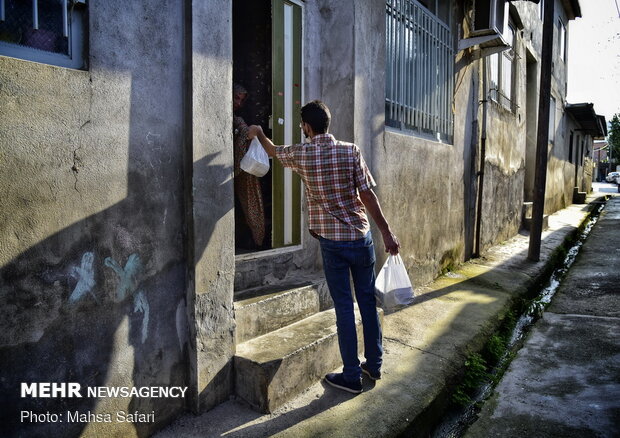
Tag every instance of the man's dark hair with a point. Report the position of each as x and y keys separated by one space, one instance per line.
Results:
x=317 y=115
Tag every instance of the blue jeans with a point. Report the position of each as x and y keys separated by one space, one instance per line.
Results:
x=358 y=258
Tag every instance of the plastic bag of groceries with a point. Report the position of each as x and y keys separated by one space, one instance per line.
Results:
x=392 y=286
x=256 y=160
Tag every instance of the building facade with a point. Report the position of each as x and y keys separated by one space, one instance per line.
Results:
x=123 y=262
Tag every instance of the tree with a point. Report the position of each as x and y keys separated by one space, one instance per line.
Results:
x=613 y=139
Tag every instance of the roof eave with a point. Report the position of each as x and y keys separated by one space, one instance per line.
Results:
x=572 y=8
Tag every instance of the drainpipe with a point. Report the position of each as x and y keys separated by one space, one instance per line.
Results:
x=483 y=143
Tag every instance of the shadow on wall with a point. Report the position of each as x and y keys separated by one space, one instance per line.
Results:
x=465 y=298
x=102 y=302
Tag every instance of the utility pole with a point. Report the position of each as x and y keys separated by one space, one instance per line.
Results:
x=542 y=138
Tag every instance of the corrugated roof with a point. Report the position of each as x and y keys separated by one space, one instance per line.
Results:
x=571 y=7
x=590 y=122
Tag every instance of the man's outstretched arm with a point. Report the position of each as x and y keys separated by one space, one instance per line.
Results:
x=257 y=131
x=370 y=201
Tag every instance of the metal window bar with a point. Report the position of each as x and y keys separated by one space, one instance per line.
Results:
x=35 y=14
x=419 y=58
x=65 y=19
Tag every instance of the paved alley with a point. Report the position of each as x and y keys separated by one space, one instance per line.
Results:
x=565 y=381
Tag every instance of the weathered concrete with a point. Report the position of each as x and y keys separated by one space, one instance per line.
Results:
x=566 y=168
x=117 y=219
x=209 y=201
x=92 y=265
x=278 y=267
x=271 y=310
x=565 y=381
x=423 y=185
x=425 y=348
x=272 y=369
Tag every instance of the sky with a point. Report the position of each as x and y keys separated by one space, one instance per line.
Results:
x=594 y=57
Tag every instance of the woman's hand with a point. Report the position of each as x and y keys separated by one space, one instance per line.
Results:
x=254 y=130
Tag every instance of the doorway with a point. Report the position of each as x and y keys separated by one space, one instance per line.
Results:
x=267 y=62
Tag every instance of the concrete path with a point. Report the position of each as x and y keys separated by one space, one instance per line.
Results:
x=565 y=381
x=426 y=345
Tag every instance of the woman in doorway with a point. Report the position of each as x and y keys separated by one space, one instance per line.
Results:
x=247 y=187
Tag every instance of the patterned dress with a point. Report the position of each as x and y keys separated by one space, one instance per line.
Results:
x=248 y=187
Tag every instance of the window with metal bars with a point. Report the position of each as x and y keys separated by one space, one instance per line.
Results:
x=419 y=68
x=46 y=31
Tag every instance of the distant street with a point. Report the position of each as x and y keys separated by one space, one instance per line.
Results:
x=604 y=187
x=565 y=381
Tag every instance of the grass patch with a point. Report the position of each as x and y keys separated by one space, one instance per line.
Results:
x=481 y=367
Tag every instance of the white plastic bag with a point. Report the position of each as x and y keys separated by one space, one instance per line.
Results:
x=256 y=160
x=393 y=287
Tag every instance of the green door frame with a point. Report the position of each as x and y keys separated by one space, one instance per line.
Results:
x=286 y=104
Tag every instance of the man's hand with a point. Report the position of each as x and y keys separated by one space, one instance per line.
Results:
x=257 y=131
x=370 y=201
x=254 y=130
x=392 y=245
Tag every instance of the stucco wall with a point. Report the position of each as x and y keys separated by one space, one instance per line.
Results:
x=117 y=262
x=504 y=171
x=92 y=271
x=562 y=175
x=420 y=183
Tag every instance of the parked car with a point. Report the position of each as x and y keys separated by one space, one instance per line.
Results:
x=612 y=177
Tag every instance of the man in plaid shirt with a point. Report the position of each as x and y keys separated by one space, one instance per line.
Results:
x=339 y=192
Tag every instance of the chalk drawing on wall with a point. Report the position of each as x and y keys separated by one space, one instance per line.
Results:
x=141 y=304
x=128 y=276
x=85 y=275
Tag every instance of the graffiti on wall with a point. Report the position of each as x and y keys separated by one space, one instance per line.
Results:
x=141 y=304
x=85 y=275
x=128 y=276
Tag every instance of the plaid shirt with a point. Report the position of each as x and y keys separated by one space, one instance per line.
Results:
x=333 y=173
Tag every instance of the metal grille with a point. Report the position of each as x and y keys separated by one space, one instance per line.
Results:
x=419 y=71
x=39 y=24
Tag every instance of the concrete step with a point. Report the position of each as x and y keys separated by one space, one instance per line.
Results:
x=527 y=209
x=261 y=310
x=579 y=197
x=274 y=368
x=527 y=222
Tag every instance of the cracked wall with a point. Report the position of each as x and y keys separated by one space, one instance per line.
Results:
x=92 y=263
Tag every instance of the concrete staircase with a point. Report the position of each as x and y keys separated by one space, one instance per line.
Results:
x=286 y=341
x=526 y=220
x=579 y=197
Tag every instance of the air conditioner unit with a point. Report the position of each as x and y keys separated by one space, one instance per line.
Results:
x=490 y=20
x=490 y=17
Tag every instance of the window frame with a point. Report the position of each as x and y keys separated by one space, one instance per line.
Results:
x=541 y=9
x=552 y=111
x=496 y=64
x=571 y=147
x=562 y=40
x=76 y=59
